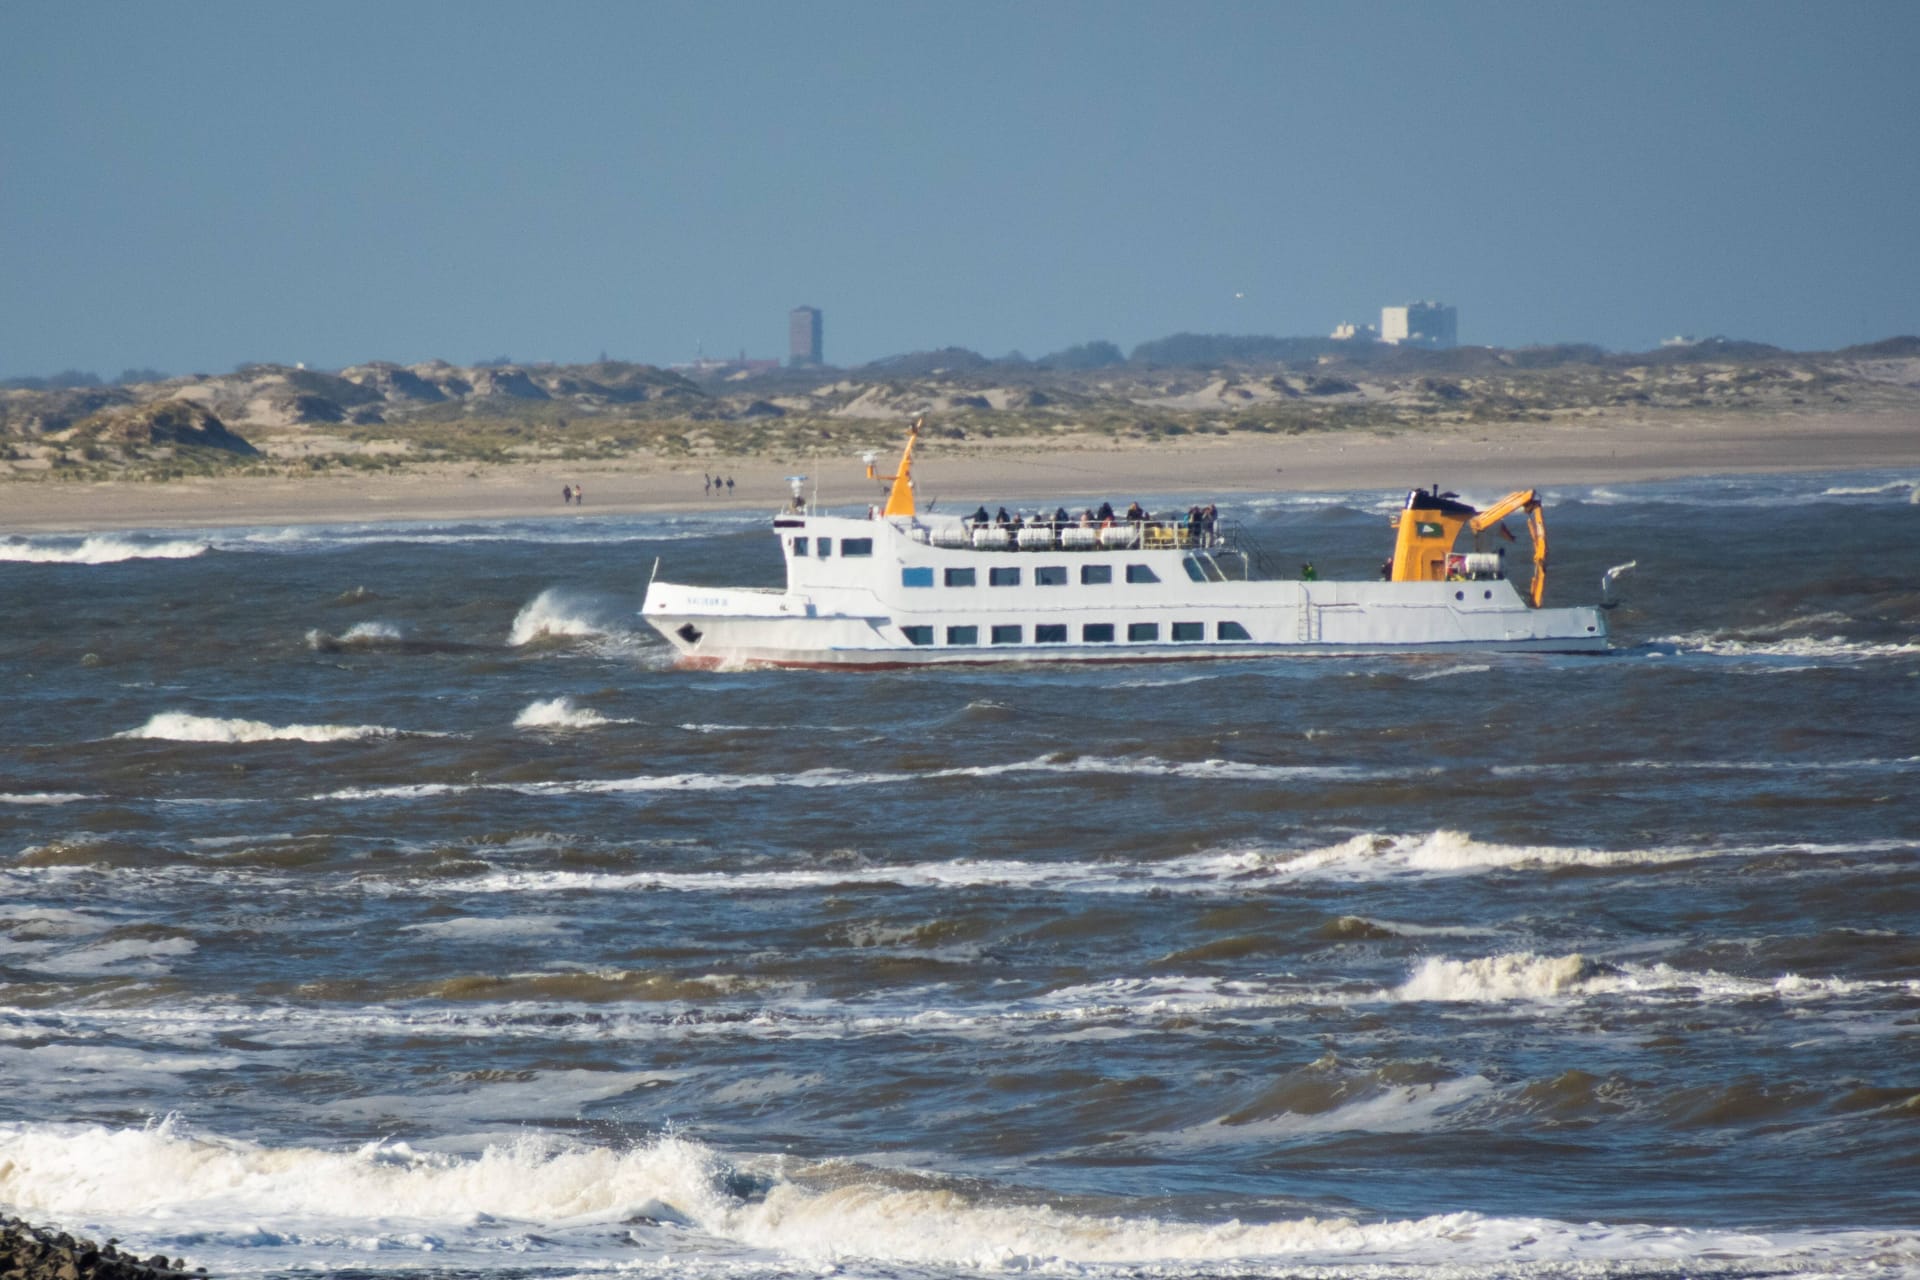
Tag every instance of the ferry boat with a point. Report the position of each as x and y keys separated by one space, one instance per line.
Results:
x=895 y=587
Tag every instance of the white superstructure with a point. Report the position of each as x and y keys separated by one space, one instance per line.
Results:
x=897 y=588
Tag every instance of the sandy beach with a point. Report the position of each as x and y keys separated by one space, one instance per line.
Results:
x=960 y=475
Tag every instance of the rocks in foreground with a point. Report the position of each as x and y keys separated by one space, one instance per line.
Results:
x=38 y=1253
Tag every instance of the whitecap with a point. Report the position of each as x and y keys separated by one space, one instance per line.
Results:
x=559 y=713
x=1518 y=975
x=364 y=635
x=550 y=615
x=245 y=1201
x=181 y=726
x=103 y=548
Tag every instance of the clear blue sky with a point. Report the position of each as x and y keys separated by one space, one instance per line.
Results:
x=188 y=186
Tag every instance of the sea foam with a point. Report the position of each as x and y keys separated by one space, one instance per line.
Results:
x=181 y=726
x=550 y=615
x=103 y=548
x=246 y=1202
x=558 y=713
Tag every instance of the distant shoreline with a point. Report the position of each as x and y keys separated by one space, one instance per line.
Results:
x=1006 y=470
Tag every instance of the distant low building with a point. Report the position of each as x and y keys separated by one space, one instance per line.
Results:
x=1355 y=333
x=803 y=337
x=712 y=367
x=1420 y=324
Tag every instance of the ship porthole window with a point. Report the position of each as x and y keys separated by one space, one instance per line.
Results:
x=1459 y=595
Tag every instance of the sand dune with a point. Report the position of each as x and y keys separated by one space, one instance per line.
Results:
x=1004 y=469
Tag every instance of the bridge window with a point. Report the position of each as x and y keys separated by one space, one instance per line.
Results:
x=1141 y=573
x=1050 y=575
x=916 y=577
x=1138 y=631
x=1231 y=631
x=1193 y=569
x=1007 y=634
x=823 y=547
x=1187 y=631
x=1094 y=575
x=963 y=635
x=856 y=546
x=799 y=546
x=959 y=577
x=918 y=635
x=1097 y=633
x=1008 y=577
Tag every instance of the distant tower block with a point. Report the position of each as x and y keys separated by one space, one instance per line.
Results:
x=1420 y=324
x=803 y=336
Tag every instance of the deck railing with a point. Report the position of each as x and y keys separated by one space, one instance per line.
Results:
x=1117 y=535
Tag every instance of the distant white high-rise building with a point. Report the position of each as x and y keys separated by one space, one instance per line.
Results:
x=1420 y=324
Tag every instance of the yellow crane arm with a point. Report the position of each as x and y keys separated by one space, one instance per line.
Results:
x=1527 y=500
x=900 y=495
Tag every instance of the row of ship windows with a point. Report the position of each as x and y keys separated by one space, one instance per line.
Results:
x=1046 y=575
x=823 y=547
x=1090 y=633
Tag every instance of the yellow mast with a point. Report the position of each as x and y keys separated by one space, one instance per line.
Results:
x=900 y=496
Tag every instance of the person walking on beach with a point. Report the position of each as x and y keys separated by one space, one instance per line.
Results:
x=709 y=480
x=566 y=494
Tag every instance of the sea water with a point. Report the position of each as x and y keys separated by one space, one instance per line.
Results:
x=380 y=899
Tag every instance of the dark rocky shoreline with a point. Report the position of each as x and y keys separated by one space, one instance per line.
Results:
x=28 y=1252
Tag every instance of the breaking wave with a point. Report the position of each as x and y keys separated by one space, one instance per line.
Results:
x=362 y=635
x=181 y=726
x=559 y=713
x=550 y=616
x=245 y=1201
x=103 y=548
